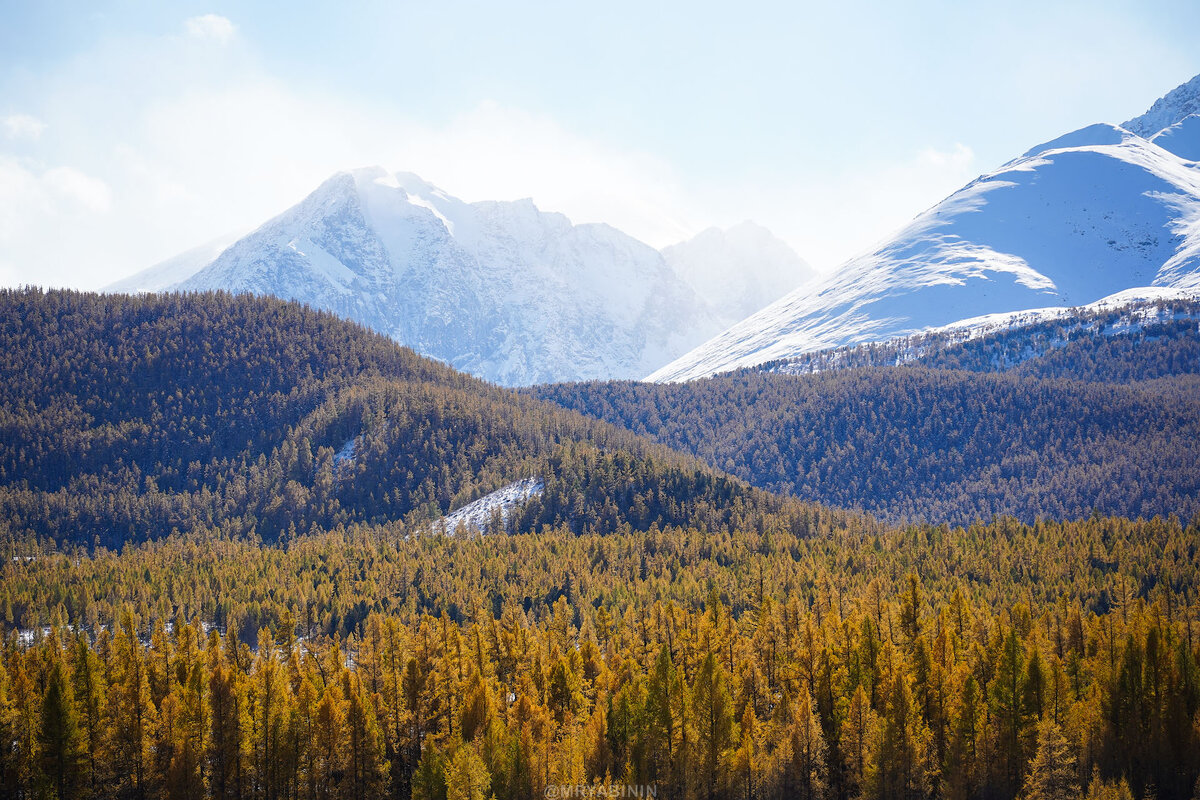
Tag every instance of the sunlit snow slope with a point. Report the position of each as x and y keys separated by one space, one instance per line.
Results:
x=1090 y=214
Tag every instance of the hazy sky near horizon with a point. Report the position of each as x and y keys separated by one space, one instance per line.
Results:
x=133 y=130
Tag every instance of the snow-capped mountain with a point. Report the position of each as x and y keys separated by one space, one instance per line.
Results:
x=1079 y=218
x=739 y=270
x=498 y=289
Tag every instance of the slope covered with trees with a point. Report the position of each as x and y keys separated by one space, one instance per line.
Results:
x=928 y=443
x=127 y=417
x=1056 y=660
x=1134 y=342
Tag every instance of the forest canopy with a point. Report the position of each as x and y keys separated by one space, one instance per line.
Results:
x=847 y=661
x=124 y=418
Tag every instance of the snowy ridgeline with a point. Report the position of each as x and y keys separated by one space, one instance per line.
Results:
x=1048 y=329
x=478 y=516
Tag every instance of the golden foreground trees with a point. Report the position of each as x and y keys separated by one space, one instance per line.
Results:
x=689 y=664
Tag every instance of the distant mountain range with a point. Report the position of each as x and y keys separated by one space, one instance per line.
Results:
x=1096 y=212
x=502 y=290
x=521 y=296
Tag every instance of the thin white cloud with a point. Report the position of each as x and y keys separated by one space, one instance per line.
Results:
x=21 y=202
x=22 y=126
x=225 y=157
x=43 y=207
x=78 y=190
x=499 y=153
x=211 y=27
x=956 y=157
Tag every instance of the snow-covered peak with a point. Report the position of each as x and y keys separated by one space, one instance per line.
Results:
x=416 y=185
x=739 y=270
x=1076 y=219
x=503 y=290
x=372 y=174
x=1102 y=133
x=1180 y=102
x=1182 y=138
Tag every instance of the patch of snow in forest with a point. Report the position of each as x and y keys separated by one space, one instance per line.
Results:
x=477 y=516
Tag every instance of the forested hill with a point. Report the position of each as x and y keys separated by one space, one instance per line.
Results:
x=941 y=445
x=126 y=417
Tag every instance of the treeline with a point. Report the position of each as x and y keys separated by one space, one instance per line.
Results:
x=916 y=443
x=1122 y=352
x=1136 y=342
x=123 y=418
x=1057 y=660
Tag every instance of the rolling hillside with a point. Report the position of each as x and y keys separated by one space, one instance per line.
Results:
x=128 y=417
x=1050 y=420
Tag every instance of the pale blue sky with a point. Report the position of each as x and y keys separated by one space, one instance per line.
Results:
x=134 y=130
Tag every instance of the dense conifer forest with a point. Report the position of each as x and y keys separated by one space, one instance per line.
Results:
x=220 y=579
x=932 y=444
x=842 y=660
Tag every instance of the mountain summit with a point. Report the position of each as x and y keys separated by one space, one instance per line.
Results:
x=1100 y=210
x=502 y=290
x=1176 y=105
x=738 y=270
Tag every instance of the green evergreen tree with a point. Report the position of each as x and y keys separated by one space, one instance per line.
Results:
x=60 y=739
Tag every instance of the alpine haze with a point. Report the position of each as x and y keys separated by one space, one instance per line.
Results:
x=738 y=270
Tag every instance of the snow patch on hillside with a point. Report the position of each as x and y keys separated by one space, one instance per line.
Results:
x=478 y=516
x=346 y=455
